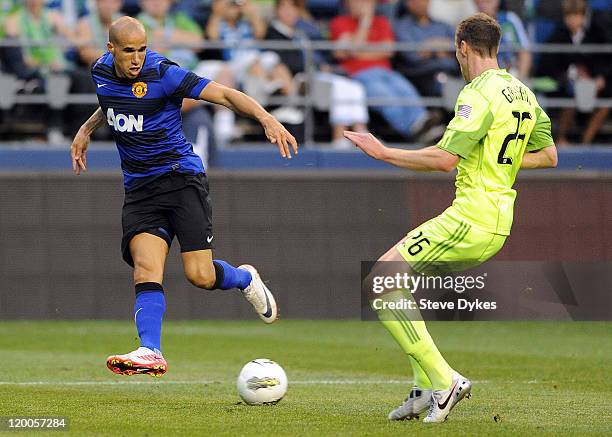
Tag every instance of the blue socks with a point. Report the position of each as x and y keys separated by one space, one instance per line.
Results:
x=230 y=277
x=148 y=313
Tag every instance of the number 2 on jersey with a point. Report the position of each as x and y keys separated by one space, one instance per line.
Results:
x=501 y=159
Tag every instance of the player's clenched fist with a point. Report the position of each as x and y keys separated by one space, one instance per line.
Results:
x=277 y=134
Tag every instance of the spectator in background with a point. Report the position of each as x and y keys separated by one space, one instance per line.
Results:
x=238 y=23
x=601 y=5
x=347 y=100
x=547 y=15
x=6 y=8
x=373 y=67
x=514 y=36
x=92 y=33
x=197 y=10
x=451 y=12
x=323 y=9
x=522 y=8
x=333 y=8
x=388 y=8
x=12 y=56
x=71 y=10
x=580 y=27
x=292 y=22
x=92 y=30
x=303 y=11
x=34 y=22
x=131 y=7
x=425 y=68
x=166 y=28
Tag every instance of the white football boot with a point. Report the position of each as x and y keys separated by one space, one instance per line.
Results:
x=142 y=361
x=418 y=401
x=445 y=400
x=260 y=296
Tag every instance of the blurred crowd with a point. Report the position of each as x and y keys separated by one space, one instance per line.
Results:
x=346 y=77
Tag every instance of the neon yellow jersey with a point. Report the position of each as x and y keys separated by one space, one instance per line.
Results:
x=497 y=119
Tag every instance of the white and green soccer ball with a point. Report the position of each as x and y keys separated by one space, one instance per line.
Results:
x=262 y=381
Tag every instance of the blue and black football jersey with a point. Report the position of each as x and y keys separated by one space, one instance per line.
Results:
x=144 y=115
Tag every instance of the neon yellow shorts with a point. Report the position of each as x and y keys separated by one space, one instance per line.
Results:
x=447 y=244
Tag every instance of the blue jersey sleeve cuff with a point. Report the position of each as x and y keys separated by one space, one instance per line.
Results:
x=197 y=89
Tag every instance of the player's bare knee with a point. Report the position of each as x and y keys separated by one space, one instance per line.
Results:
x=147 y=271
x=384 y=272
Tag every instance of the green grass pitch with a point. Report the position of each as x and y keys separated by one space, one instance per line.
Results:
x=544 y=378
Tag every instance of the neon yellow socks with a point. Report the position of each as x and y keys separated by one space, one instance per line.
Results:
x=429 y=367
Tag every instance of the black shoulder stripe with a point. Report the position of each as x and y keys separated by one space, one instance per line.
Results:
x=103 y=68
x=184 y=89
x=164 y=65
x=147 y=75
x=104 y=71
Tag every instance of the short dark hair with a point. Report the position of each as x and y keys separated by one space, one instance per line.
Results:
x=481 y=32
x=574 y=7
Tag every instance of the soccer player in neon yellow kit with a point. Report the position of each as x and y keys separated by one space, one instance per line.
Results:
x=497 y=129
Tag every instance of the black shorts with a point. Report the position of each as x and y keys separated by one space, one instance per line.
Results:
x=173 y=204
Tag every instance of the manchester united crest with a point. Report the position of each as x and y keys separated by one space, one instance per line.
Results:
x=139 y=89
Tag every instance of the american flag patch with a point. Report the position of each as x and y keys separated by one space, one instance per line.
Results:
x=464 y=111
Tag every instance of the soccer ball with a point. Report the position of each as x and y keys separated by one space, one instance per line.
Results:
x=262 y=381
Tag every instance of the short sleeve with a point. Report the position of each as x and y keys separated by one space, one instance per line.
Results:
x=541 y=135
x=180 y=83
x=470 y=124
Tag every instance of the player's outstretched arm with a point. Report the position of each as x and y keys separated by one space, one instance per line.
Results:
x=78 y=149
x=247 y=106
x=427 y=159
x=543 y=158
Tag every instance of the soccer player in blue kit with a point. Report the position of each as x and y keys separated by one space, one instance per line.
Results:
x=166 y=191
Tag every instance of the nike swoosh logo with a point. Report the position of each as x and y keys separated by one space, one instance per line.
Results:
x=136 y=313
x=100 y=85
x=209 y=239
x=443 y=405
x=268 y=313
